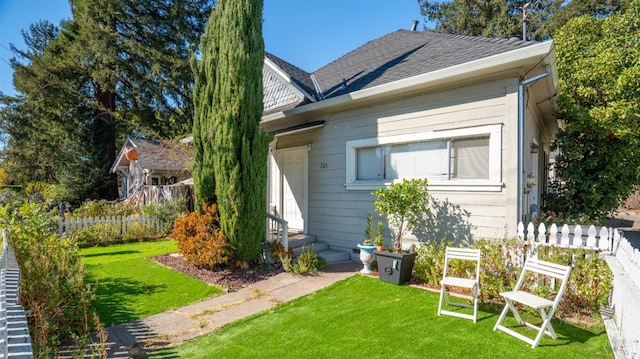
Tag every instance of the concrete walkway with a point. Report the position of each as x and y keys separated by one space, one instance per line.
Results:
x=174 y=327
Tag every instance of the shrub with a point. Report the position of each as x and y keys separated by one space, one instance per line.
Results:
x=307 y=262
x=53 y=280
x=142 y=232
x=276 y=249
x=167 y=211
x=499 y=266
x=103 y=208
x=11 y=196
x=99 y=234
x=200 y=239
x=429 y=263
x=590 y=283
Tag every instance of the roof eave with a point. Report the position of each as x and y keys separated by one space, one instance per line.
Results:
x=474 y=68
x=300 y=92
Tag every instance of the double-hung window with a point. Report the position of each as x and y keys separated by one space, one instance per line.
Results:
x=464 y=159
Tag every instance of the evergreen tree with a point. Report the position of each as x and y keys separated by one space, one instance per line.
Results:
x=203 y=123
x=504 y=19
x=238 y=145
x=116 y=67
x=46 y=134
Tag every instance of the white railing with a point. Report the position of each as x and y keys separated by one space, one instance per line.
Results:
x=3 y=299
x=120 y=223
x=576 y=236
x=277 y=229
x=629 y=259
x=625 y=300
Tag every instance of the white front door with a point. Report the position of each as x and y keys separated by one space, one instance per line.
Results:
x=293 y=181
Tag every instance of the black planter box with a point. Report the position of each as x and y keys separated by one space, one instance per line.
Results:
x=395 y=267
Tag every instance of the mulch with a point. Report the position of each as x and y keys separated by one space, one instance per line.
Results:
x=227 y=278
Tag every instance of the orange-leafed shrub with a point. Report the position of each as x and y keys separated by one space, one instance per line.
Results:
x=200 y=239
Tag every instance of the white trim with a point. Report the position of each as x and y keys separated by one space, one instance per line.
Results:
x=277 y=72
x=304 y=207
x=493 y=184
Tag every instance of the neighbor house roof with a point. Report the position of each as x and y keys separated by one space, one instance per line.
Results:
x=155 y=155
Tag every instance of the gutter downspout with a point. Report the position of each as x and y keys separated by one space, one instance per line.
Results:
x=521 y=111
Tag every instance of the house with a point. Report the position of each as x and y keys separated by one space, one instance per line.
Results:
x=473 y=115
x=151 y=169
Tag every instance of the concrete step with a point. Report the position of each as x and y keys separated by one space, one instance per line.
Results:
x=315 y=246
x=300 y=242
x=334 y=256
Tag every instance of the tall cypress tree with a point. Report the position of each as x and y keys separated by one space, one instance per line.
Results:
x=228 y=132
x=204 y=83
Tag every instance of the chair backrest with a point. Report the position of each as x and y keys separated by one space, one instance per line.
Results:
x=548 y=269
x=467 y=254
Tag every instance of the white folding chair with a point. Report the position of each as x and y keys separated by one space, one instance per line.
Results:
x=545 y=306
x=464 y=254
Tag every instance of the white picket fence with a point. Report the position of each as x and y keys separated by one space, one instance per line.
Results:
x=121 y=223
x=15 y=341
x=577 y=236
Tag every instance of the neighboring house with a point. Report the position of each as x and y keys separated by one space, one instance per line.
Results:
x=152 y=169
x=473 y=115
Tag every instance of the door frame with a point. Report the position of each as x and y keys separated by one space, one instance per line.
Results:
x=276 y=182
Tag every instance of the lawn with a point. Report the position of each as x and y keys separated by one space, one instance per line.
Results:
x=363 y=317
x=132 y=286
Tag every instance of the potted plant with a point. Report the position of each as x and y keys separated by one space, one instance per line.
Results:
x=367 y=247
x=404 y=204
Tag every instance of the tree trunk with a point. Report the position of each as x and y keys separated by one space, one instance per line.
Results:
x=105 y=138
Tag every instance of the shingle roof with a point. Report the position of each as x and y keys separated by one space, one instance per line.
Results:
x=298 y=75
x=403 y=54
x=156 y=155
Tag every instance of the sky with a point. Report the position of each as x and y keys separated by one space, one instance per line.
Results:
x=306 y=33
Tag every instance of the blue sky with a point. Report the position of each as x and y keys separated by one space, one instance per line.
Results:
x=306 y=33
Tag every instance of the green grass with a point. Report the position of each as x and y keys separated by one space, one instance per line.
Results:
x=363 y=317
x=132 y=286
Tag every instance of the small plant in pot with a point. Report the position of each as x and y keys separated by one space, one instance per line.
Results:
x=379 y=240
x=404 y=204
x=367 y=247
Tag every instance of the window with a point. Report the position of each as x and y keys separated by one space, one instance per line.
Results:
x=466 y=159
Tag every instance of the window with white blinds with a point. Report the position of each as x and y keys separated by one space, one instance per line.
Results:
x=463 y=156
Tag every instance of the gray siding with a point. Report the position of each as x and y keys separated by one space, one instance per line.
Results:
x=337 y=215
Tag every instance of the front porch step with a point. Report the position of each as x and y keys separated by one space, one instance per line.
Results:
x=300 y=242
x=334 y=256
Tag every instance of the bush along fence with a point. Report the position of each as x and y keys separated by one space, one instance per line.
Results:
x=107 y=229
x=622 y=316
x=14 y=330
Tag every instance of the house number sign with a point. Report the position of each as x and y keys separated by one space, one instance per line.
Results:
x=324 y=165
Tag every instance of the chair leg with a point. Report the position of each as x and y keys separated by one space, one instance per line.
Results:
x=501 y=318
x=474 y=292
x=442 y=293
x=546 y=325
x=514 y=310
